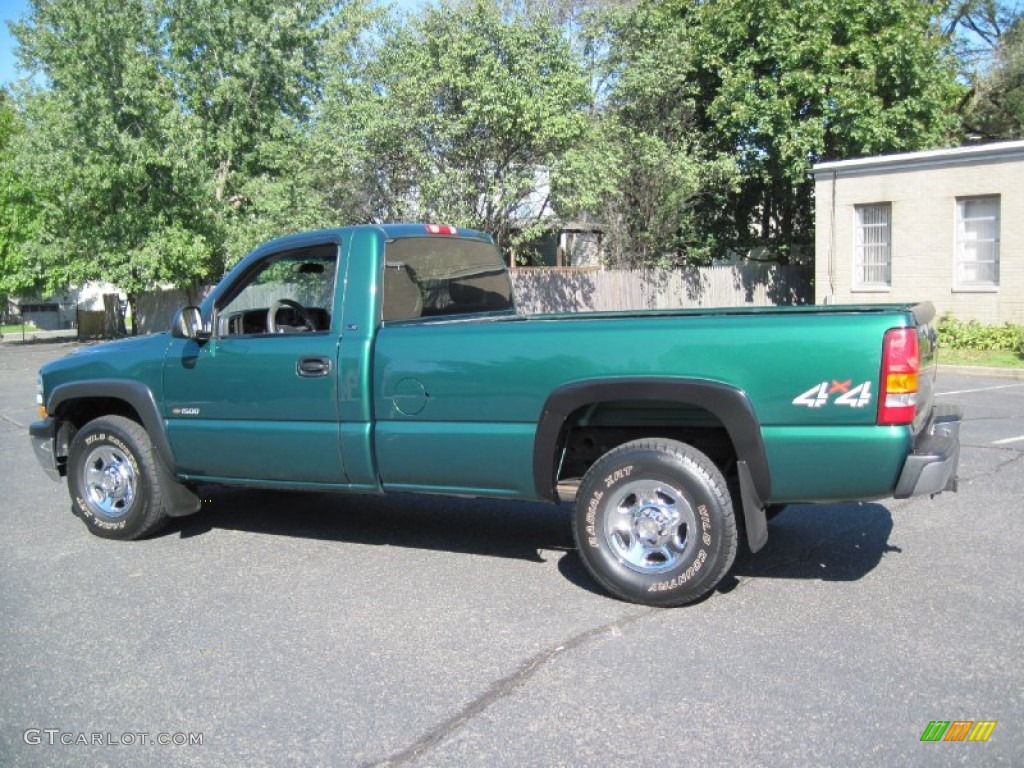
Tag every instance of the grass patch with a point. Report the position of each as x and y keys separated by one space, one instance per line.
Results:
x=983 y=357
x=12 y=329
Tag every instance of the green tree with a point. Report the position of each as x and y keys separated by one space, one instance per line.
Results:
x=107 y=149
x=649 y=118
x=20 y=213
x=464 y=115
x=168 y=135
x=779 y=86
x=247 y=75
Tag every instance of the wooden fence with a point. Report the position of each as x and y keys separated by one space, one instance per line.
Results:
x=552 y=289
x=547 y=289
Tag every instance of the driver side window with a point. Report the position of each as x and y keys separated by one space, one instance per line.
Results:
x=288 y=292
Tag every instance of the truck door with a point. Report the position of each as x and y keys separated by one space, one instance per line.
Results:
x=259 y=400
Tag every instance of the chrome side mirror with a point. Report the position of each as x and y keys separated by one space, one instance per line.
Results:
x=188 y=324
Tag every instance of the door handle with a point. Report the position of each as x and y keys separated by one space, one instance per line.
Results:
x=312 y=367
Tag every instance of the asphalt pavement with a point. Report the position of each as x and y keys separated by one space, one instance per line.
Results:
x=308 y=629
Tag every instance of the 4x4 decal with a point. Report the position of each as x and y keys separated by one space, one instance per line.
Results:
x=820 y=394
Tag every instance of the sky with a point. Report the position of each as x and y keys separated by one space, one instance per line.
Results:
x=10 y=10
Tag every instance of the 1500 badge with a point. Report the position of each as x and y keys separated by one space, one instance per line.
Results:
x=820 y=394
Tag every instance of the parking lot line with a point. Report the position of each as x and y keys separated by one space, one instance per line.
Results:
x=980 y=389
x=1008 y=440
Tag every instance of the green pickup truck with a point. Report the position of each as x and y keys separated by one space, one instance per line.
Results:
x=378 y=359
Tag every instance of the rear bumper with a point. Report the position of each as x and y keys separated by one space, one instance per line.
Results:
x=932 y=466
x=42 y=434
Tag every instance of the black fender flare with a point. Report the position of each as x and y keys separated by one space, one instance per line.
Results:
x=181 y=501
x=730 y=405
x=134 y=393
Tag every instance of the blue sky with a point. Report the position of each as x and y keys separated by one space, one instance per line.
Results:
x=10 y=10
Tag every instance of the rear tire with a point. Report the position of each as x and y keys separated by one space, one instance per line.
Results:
x=113 y=481
x=654 y=523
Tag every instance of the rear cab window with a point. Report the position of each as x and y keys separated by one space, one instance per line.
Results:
x=443 y=277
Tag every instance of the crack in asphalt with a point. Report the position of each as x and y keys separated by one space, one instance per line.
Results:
x=19 y=425
x=1004 y=464
x=501 y=689
x=1015 y=456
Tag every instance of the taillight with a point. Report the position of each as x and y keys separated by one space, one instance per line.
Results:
x=901 y=366
x=441 y=229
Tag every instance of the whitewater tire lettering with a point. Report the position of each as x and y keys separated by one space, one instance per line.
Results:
x=661 y=586
x=617 y=475
x=591 y=516
x=705 y=522
x=83 y=508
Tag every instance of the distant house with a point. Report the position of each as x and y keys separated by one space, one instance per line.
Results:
x=574 y=243
x=944 y=226
x=60 y=311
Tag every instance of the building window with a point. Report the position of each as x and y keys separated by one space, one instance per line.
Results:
x=977 y=242
x=872 y=260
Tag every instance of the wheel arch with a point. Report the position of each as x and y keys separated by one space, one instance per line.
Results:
x=730 y=405
x=134 y=400
x=100 y=397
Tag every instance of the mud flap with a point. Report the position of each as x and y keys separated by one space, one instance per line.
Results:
x=754 y=518
x=180 y=501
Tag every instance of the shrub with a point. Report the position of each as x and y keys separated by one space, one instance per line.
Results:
x=957 y=334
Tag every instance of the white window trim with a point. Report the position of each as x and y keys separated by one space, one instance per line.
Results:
x=959 y=287
x=856 y=286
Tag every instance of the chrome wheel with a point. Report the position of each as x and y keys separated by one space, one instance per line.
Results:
x=651 y=526
x=109 y=480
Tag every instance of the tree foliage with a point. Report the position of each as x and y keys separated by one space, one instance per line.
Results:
x=158 y=140
x=778 y=86
x=19 y=212
x=161 y=128
x=100 y=151
x=996 y=109
x=464 y=114
x=974 y=29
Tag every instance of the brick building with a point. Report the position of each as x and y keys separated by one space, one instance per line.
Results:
x=945 y=226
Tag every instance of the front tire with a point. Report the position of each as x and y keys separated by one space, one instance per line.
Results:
x=654 y=523
x=113 y=481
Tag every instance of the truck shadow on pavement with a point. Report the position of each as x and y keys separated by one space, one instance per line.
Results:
x=827 y=542
x=472 y=526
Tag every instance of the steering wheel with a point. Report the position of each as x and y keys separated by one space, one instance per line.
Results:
x=273 y=327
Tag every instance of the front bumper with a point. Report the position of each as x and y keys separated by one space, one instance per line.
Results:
x=42 y=434
x=932 y=466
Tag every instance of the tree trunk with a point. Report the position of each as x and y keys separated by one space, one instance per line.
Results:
x=113 y=317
